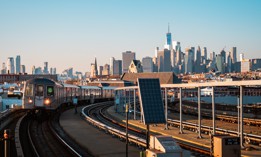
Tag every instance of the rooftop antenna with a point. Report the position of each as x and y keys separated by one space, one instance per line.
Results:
x=168 y=27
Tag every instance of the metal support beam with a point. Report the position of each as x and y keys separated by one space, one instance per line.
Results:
x=238 y=113
x=166 y=108
x=129 y=98
x=241 y=118
x=7 y=143
x=180 y=112
x=148 y=136
x=199 y=114
x=134 y=103
x=141 y=115
x=127 y=134
x=125 y=98
x=213 y=111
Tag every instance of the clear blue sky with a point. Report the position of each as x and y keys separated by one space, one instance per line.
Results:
x=70 y=33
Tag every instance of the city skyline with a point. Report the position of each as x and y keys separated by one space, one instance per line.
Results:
x=67 y=34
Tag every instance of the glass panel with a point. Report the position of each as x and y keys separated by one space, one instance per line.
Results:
x=29 y=90
x=39 y=90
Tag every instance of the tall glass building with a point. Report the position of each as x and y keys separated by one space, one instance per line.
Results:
x=10 y=65
x=18 y=64
x=127 y=57
x=147 y=64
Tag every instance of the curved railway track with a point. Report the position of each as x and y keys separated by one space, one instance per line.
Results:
x=43 y=137
x=95 y=114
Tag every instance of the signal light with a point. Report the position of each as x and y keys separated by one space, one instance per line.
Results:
x=6 y=134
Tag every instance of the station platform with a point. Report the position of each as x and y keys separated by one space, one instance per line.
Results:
x=92 y=139
x=187 y=136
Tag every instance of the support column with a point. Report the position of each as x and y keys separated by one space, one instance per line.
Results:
x=125 y=99
x=199 y=114
x=213 y=111
x=134 y=103
x=129 y=99
x=166 y=108
x=141 y=114
x=148 y=136
x=238 y=113
x=241 y=118
x=180 y=112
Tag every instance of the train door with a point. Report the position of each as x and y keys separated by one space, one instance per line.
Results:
x=39 y=96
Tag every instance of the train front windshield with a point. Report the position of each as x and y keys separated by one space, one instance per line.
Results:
x=39 y=90
x=29 y=90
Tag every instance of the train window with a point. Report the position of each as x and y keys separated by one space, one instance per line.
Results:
x=39 y=90
x=29 y=90
x=50 y=91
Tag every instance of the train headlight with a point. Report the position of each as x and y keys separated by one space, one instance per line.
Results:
x=30 y=101
x=47 y=101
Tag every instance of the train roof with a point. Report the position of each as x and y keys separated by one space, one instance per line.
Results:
x=69 y=86
x=109 y=88
x=90 y=87
x=42 y=81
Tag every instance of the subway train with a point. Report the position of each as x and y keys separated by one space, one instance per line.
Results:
x=43 y=93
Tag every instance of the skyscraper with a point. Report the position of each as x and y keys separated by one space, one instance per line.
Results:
x=117 y=68
x=164 y=64
x=241 y=57
x=156 y=51
x=198 y=60
x=176 y=45
x=3 y=70
x=33 y=70
x=155 y=64
x=18 y=64
x=70 y=72
x=220 y=63
x=223 y=54
x=93 y=70
x=45 y=68
x=54 y=71
x=96 y=67
x=23 y=69
x=212 y=56
x=245 y=65
x=106 y=69
x=111 y=65
x=229 y=63
x=188 y=61
x=38 y=71
x=178 y=56
x=100 y=70
x=168 y=44
x=147 y=64
x=10 y=65
x=204 y=55
x=192 y=49
x=127 y=57
x=234 y=54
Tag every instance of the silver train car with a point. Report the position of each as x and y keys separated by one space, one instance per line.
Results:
x=43 y=93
